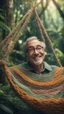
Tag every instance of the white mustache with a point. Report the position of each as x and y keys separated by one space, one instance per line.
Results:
x=38 y=55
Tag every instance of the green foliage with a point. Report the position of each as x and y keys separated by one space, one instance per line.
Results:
x=10 y=103
x=5 y=109
x=3 y=27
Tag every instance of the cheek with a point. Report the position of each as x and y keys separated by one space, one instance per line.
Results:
x=29 y=56
x=42 y=53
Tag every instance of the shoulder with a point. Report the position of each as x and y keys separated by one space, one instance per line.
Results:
x=25 y=65
x=49 y=67
x=53 y=67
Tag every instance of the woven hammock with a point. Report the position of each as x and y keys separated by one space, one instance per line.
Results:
x=44 y=92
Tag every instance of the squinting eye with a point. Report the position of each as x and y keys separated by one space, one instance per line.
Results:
x=30 y=49
x=39 y=48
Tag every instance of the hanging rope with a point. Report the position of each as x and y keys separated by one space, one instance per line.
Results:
x=10 y=41
x=18 y=35
x=47 y=37
x=39 y=26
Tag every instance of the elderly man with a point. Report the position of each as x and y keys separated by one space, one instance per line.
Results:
x=35 y=53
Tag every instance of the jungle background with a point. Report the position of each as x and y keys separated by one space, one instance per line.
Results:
x=51 y=13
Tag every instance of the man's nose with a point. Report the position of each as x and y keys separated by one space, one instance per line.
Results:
x=36 y=51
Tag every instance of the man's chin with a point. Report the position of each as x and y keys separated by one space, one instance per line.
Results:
x=37 y=62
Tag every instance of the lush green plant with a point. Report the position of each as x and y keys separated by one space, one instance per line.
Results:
x=10 y=103
x=3 y=26
x=4 y=107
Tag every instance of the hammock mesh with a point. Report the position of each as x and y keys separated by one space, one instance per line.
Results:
x=44 y=92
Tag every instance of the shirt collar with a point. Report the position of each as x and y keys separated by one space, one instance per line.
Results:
x=47 y=66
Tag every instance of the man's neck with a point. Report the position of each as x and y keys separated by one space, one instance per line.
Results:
x=38 y=68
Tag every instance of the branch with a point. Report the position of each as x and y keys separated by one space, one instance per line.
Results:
x=44 y=7
x=59 y=9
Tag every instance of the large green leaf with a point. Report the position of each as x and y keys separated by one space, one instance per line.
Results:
x=1 y=16
x=4 y=26
x=6 y=109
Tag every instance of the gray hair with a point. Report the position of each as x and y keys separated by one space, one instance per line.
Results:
x=33 y=38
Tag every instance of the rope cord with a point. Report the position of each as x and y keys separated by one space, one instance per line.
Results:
x=48 y=39
x=57 y=74
x=39 y=26
x=12 y=40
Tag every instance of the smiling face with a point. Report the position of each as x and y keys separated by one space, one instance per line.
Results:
x=35 y=52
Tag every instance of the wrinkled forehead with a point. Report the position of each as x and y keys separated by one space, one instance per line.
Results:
x=33 y=42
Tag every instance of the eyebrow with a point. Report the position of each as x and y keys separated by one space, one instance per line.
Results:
x=36 y=46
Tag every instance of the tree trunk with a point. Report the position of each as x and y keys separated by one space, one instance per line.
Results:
x=7 y=6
